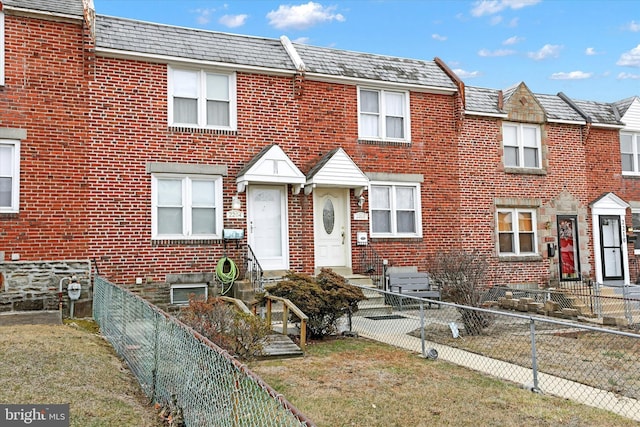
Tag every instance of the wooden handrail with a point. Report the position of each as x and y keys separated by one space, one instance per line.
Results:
x=238 y=303
x=286 y=306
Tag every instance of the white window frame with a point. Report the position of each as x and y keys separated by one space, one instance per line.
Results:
x=393 y=187
x=187 y=206
x=382 y=123
x=520 y=127
x=14 y=174
x=636 y=231
x=2 y=63
x=516 y=232
x=188 y=286
x=635 y=152
x=202 y=99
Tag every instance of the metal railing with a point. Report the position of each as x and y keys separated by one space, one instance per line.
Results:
x=176 y=366
x=372 y=265
x=588 y=364
x=253 y=270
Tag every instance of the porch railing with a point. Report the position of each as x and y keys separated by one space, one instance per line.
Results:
x=253 y=270
x=372 y=265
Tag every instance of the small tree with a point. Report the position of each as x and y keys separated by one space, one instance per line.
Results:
x=324 y=299
x=239 y=333
x=461 y=274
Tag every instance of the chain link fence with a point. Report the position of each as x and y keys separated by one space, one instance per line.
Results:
x=589 y=364
x=181 y=369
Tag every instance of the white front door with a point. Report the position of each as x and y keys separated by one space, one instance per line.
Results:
x=267 y=226
x=331 y=219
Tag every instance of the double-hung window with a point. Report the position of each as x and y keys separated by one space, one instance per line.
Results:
x=522 y=144
x=630 y=153
x=517 y=231
x=9 y=175
x=202 y=99
x=186 y=206
x=383 y=114
x=395 y=210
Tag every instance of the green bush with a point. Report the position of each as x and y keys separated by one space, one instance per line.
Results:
x=239 y=333
x=324 y=299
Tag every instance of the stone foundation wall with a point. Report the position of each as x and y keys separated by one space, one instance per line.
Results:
x=34 y=285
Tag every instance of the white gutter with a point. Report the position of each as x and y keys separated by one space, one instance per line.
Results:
x=478 y=113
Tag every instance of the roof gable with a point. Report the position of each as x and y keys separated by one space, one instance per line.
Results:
x=631 y=115
x=273 y=166
x=521 y=105
x=336 y=169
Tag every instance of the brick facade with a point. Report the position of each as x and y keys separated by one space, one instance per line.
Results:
x=95 y=122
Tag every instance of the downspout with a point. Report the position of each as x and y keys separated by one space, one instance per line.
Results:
x=578 y=110
x=462 y=102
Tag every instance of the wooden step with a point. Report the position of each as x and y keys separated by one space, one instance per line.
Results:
x=280 y=346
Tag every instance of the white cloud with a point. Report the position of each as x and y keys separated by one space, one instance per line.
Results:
x=490 y=7
x=495 y=20
x=466 y=74
x=590 y=51
x=498 y=52
x=627 y=76
x=438 y=37
x=301 y=40
x=302 y=16
x=513 y=23
x=233 y=21
x=547 y=51
x=573 y=75
x=512 y=40
x=633 y=26
x=203 y=16
x=631 y=58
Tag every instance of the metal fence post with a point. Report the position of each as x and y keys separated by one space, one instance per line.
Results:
x=422 y=343
x=534 y=357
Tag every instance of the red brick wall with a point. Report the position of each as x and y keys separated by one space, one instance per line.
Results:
x=483 y=180
x=45 y=93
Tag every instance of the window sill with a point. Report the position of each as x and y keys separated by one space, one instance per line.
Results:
x=525 y=171
x=631 y=175
x=185 y=242
x=520 y=258
x=384 y=142
x=209 y=131
x=396 y=238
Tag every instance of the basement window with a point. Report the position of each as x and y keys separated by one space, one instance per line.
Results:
x=181 y=294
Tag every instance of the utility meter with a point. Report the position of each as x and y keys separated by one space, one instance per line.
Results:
x=74 y=289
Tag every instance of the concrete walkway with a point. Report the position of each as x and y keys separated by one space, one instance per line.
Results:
x=395 y=332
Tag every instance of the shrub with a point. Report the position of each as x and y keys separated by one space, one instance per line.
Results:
x=324 y=299
x=461 y=274
x=239 y=333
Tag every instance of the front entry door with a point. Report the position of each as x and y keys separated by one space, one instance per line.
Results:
x=267 y=226
x=611 y=247
x=332 y=236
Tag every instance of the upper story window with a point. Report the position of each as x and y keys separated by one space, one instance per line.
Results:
x=186 y=207
x=383 y=114
x=395 y=210
x=630 y=153
x=202 y=99
x=9 y=175
x=517 y=231
x=522 y=144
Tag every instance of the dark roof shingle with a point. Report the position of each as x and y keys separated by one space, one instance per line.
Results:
x=64 y=7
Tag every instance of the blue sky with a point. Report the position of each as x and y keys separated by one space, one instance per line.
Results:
x=587 y=49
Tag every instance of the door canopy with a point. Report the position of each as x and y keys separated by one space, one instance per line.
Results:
x=336 y=169
x=271 y=166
